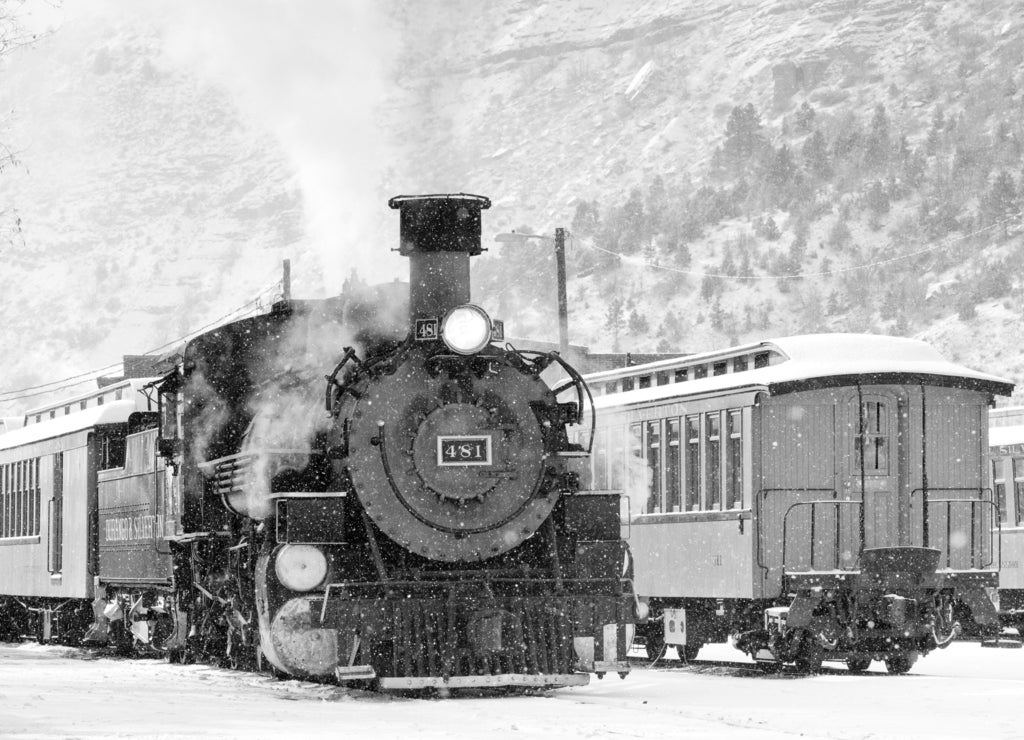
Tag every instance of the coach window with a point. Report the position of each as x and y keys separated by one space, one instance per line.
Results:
x=760 y=360
x=700 y=371
x=636 y=483
x=56 y=564
x=1018 y=487
x=627 y=384
x=645 y=381
x=82 y=405
x=611 y=387
x=739 y=364
x=672 y=465
x=600 y=482
x=999 y=486
x=734 y=460
x=714 y=461
x=19 y=488
x=5 y=497
x=617 y=447
x=662 y=377
x=653 y=450
x=112 y=449
x=681 y=375
x=37 y=501
x=872 y=444
x=692 y=463
x=720 y=368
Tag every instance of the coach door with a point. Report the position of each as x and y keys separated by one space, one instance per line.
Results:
x=872 y=472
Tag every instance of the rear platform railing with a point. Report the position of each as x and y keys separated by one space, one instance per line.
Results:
x=824 y=530
x=961 y=523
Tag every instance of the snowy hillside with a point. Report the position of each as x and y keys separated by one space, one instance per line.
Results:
x=172 y=154
x=626 y=108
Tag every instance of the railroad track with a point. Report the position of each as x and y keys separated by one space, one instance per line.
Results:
x=728 y=667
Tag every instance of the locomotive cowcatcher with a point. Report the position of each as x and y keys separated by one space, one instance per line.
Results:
x=425 y=530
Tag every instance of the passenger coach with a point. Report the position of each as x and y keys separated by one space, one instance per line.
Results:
x=813 y=498
x=51 y=464
x=1006 y=451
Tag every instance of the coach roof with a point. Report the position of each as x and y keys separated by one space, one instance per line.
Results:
x=804 y=362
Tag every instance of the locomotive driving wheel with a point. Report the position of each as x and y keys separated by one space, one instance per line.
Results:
x=858 y=663
x=900 y=663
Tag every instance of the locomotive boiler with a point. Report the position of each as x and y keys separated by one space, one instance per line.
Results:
x=417 y=521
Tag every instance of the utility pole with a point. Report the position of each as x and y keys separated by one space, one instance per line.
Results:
x=563 y=303
x=286 y=281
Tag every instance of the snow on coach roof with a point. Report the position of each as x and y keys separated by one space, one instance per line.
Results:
x=81 y=412
x=798 y=363
x=109 y=413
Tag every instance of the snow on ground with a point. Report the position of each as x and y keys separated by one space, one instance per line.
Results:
x=964 y=691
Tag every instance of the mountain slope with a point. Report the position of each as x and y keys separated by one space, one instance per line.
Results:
x=616 y=107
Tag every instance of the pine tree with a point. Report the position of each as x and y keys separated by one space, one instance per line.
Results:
x=1001 y=202
x=586 y=221
x=781 y=168
x=815 y=154
x=614 y=321
x=637 y=323
x=635 y=231
x=934 y=140
x=657 y=205
x=877 y=201
x=805 y=117
x=878 y=145
x=744 y=138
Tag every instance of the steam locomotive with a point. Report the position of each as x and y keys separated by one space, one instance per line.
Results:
x=417 y=522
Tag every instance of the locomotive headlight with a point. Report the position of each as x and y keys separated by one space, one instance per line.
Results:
x=301 y=567
x=466 y=329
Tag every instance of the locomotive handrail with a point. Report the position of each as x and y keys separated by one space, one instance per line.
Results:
x=812 y=504
x=995 y=543
x=575 y=380
x=332 y=379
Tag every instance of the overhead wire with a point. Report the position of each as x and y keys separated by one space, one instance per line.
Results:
x=53 y=386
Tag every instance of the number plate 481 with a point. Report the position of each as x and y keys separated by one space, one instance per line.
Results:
x=464 y=450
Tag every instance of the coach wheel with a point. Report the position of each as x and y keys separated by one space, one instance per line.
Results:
x=810 y=657
x=858 y=665
x=654 y=640
x=688 y=653
x=899 y=663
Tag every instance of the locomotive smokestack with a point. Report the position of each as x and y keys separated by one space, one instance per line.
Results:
x=439 y=233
